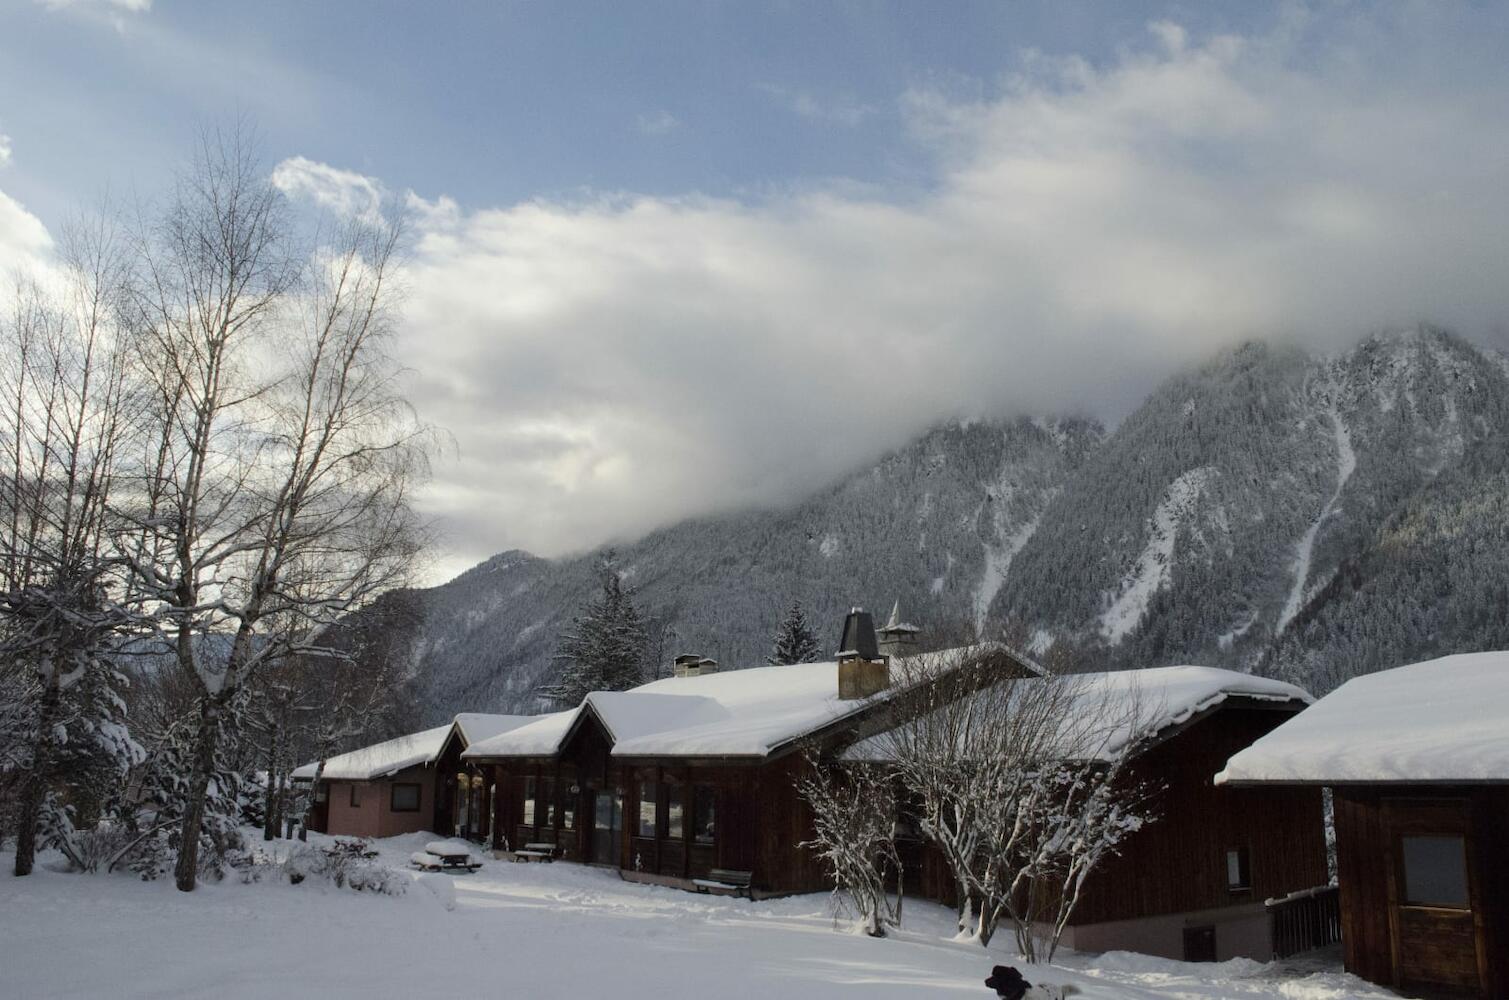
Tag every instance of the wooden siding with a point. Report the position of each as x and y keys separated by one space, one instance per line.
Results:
x=1413 y=947
x=1178 y=863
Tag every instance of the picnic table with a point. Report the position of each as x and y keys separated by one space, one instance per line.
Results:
x=445 y=855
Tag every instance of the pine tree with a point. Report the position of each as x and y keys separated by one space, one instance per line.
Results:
x=604 y=649
x=794 y=641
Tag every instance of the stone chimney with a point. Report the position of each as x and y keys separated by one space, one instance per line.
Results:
x=897 y=637
x=862 y=671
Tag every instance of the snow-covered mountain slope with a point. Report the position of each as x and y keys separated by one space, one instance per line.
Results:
x=935 y=524
x=1268 y=511
x=1214 y=521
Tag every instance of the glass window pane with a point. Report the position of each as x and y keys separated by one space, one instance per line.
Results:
x=405 y=798
x=1435 y=871
x=703 y=820
x=529 y=802
x=1236 y=869
x=673 y=819
x=547 y=795
x=647 y=793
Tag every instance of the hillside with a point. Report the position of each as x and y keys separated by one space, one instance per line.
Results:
x=1306 y=517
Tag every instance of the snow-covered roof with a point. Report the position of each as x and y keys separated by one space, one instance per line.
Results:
x=1444 y=720
x=394 y=755
x=477 y=726
x=737 y=713
x=381 y=759
x=1164 y=697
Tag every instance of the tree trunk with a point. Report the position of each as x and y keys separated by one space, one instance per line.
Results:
x=186 y=871
x=269 y=797
x=34 y=790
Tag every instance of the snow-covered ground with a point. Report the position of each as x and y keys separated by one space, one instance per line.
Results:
x=533 y=931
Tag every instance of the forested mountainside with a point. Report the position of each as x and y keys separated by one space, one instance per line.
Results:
x=1309 y=518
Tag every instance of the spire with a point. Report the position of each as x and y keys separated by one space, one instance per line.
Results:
x=895 y=619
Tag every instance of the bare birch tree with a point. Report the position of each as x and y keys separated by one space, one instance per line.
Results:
x=1020 y=784
x=66 y=418
x=277 y=496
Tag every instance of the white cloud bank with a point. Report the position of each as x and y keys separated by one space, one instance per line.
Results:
x=619 y=362
x=615 y=364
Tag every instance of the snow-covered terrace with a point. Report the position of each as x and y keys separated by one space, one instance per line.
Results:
x=1443 y=721
x=739 y=713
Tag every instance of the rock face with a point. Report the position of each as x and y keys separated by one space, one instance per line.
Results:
x=1308 y=518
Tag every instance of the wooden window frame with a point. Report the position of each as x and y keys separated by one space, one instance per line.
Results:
x=356 y=795
x=1244 y=869
x=393 y=796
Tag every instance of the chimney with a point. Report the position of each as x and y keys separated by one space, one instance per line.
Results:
x=690 y=665
x=862 y=671
x=897 y=638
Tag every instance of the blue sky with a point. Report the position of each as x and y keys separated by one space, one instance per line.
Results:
x=646 y=235
x=494 y=103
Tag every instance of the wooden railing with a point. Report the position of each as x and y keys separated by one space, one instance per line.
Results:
x=1310 y=918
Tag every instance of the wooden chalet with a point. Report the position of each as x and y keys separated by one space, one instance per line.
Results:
x=410 y=783
x=1193 y=884
x=1417 y=759
x=691 y=780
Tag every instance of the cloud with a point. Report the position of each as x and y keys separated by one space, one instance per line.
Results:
x=831 y=110
x=343 y=192
x=618 y=362
x=26 y=247
x=659 y=123
x=5 y=153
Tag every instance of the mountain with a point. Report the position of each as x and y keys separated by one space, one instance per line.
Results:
x=1309 y=518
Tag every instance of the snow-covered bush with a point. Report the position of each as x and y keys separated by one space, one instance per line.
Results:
x=344 y=864
x=854 y=822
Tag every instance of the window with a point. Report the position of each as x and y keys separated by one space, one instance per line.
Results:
x=1238 y=869
x=405 y=797
x=356 y=796
x=703 y=820
x=547 y=795
x=1435 y=871
x=529 y=802
x=674 y=826
x=647 y=793
x=571 y=793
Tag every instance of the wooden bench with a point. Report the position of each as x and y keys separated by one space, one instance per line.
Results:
x=535 y=852
x=725 y=880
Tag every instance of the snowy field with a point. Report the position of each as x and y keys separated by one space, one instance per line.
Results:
x=532 y=930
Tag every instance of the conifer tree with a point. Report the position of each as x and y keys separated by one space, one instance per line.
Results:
x=604 y=649
x=794 y=641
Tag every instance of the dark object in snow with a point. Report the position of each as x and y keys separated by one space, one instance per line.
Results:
x=1007 y=982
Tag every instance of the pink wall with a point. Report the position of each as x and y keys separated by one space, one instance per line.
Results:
x=374 y=817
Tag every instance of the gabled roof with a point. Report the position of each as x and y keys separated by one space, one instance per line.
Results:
x=391 y=756
x=1165 y=699
x=381 y=759
x=476 y=726
x=737 y=713
x=1443 y=721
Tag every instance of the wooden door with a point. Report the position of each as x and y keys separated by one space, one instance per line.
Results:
x=1434 y=922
